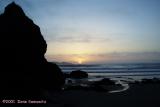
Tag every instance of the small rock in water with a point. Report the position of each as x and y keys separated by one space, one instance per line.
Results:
x=78 y=74
x=105 y=81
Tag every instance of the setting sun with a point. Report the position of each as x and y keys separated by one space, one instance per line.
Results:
x=80 y=61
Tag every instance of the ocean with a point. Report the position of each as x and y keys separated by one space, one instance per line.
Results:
x=136 y=70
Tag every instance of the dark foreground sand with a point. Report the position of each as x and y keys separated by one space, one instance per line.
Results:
x=139 y=95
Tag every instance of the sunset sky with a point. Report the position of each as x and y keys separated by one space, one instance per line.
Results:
x=97 y=31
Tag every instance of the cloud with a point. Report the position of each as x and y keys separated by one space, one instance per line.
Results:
x=67 y=35
x=115 y=57
x=134 y=57
x=83 y=39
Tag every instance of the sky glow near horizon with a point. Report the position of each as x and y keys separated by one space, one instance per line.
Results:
x=97 y=31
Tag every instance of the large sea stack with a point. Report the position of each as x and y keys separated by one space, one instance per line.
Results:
x=22 y=49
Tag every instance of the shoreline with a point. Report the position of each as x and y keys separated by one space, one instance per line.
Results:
x=121 y=83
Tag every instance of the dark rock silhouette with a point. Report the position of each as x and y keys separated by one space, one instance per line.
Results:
x=150 y=81
x=105 y=81
x=78 y=74
x=22 y=49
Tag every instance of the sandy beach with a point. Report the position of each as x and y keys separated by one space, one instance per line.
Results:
x=138 y=95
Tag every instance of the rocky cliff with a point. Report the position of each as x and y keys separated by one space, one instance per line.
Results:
x=22 y=49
